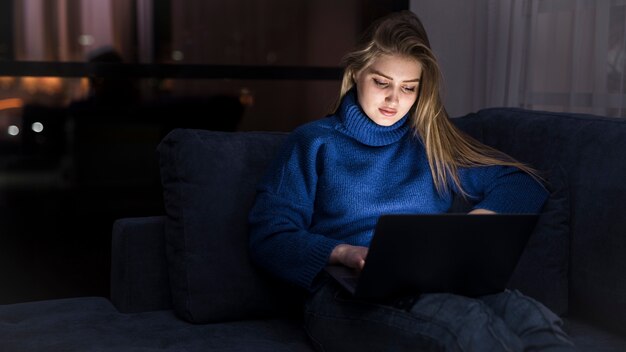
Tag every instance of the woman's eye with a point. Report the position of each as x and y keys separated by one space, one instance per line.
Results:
x=409 y=89
x=380 y=83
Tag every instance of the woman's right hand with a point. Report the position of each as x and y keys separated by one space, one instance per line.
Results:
x=348 y=255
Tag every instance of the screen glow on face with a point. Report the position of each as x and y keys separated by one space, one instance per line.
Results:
x=387 y=89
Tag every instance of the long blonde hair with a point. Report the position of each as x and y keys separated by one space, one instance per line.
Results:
x=447 y=148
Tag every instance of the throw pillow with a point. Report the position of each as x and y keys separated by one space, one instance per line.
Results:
x=209 y=180
x=542 y=272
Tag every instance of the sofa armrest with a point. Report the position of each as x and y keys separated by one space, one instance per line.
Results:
x=139 y=272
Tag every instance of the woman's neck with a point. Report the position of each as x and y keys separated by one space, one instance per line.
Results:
x=359 y=126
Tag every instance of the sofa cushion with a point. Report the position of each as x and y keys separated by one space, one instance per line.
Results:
x=209 y=180
x=139 y=270
x=93 y=324
x=589 y=337
x=542 y=271
x=591 y=149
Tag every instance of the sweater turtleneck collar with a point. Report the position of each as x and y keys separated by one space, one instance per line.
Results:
x=356 y=124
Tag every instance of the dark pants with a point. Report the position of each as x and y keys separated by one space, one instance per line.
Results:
x=507 y=321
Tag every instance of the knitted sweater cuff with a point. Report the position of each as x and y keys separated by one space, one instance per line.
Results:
x=318 y=259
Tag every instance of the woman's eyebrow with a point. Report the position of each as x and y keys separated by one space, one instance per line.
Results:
x=391 y=79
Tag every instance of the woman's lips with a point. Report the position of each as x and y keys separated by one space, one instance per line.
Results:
x=387 y=112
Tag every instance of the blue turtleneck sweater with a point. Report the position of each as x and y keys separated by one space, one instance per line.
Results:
x=334 y=177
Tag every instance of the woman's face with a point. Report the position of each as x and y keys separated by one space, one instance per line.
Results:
x=387 y=89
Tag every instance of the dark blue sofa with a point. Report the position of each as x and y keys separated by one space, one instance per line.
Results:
x=183 y=281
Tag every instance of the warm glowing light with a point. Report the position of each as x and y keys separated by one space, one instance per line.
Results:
x=6 y=82
x=12 y=103
x=246 y=98
x=177 y=55
x=29 y=84
x=46 y=85
x=37 y=127
x=50 y=85
x=85 y=40
x=13 y=130
x=84 y=86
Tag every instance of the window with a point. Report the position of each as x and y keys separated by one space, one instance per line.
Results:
x=89 y=87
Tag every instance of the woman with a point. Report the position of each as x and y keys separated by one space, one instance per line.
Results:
x=389 y=148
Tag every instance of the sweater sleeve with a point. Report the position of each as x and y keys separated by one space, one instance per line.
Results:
x=281 y=216
x=503 y=189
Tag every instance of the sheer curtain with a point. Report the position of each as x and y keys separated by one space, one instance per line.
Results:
x=557 y=55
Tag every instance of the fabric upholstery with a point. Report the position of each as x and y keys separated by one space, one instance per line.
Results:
x=209 y=180
x=542 y=271
x=139 y=273
x=591 y=149
x=588 y=337
x=93 y=324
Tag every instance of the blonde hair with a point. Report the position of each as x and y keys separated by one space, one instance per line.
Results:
x=447 y=148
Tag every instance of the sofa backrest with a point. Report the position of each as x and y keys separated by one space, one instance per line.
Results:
x=592 y=151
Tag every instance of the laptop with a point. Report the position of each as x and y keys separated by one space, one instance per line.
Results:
x=470 y=255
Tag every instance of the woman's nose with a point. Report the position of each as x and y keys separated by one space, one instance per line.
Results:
x=392 y=97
